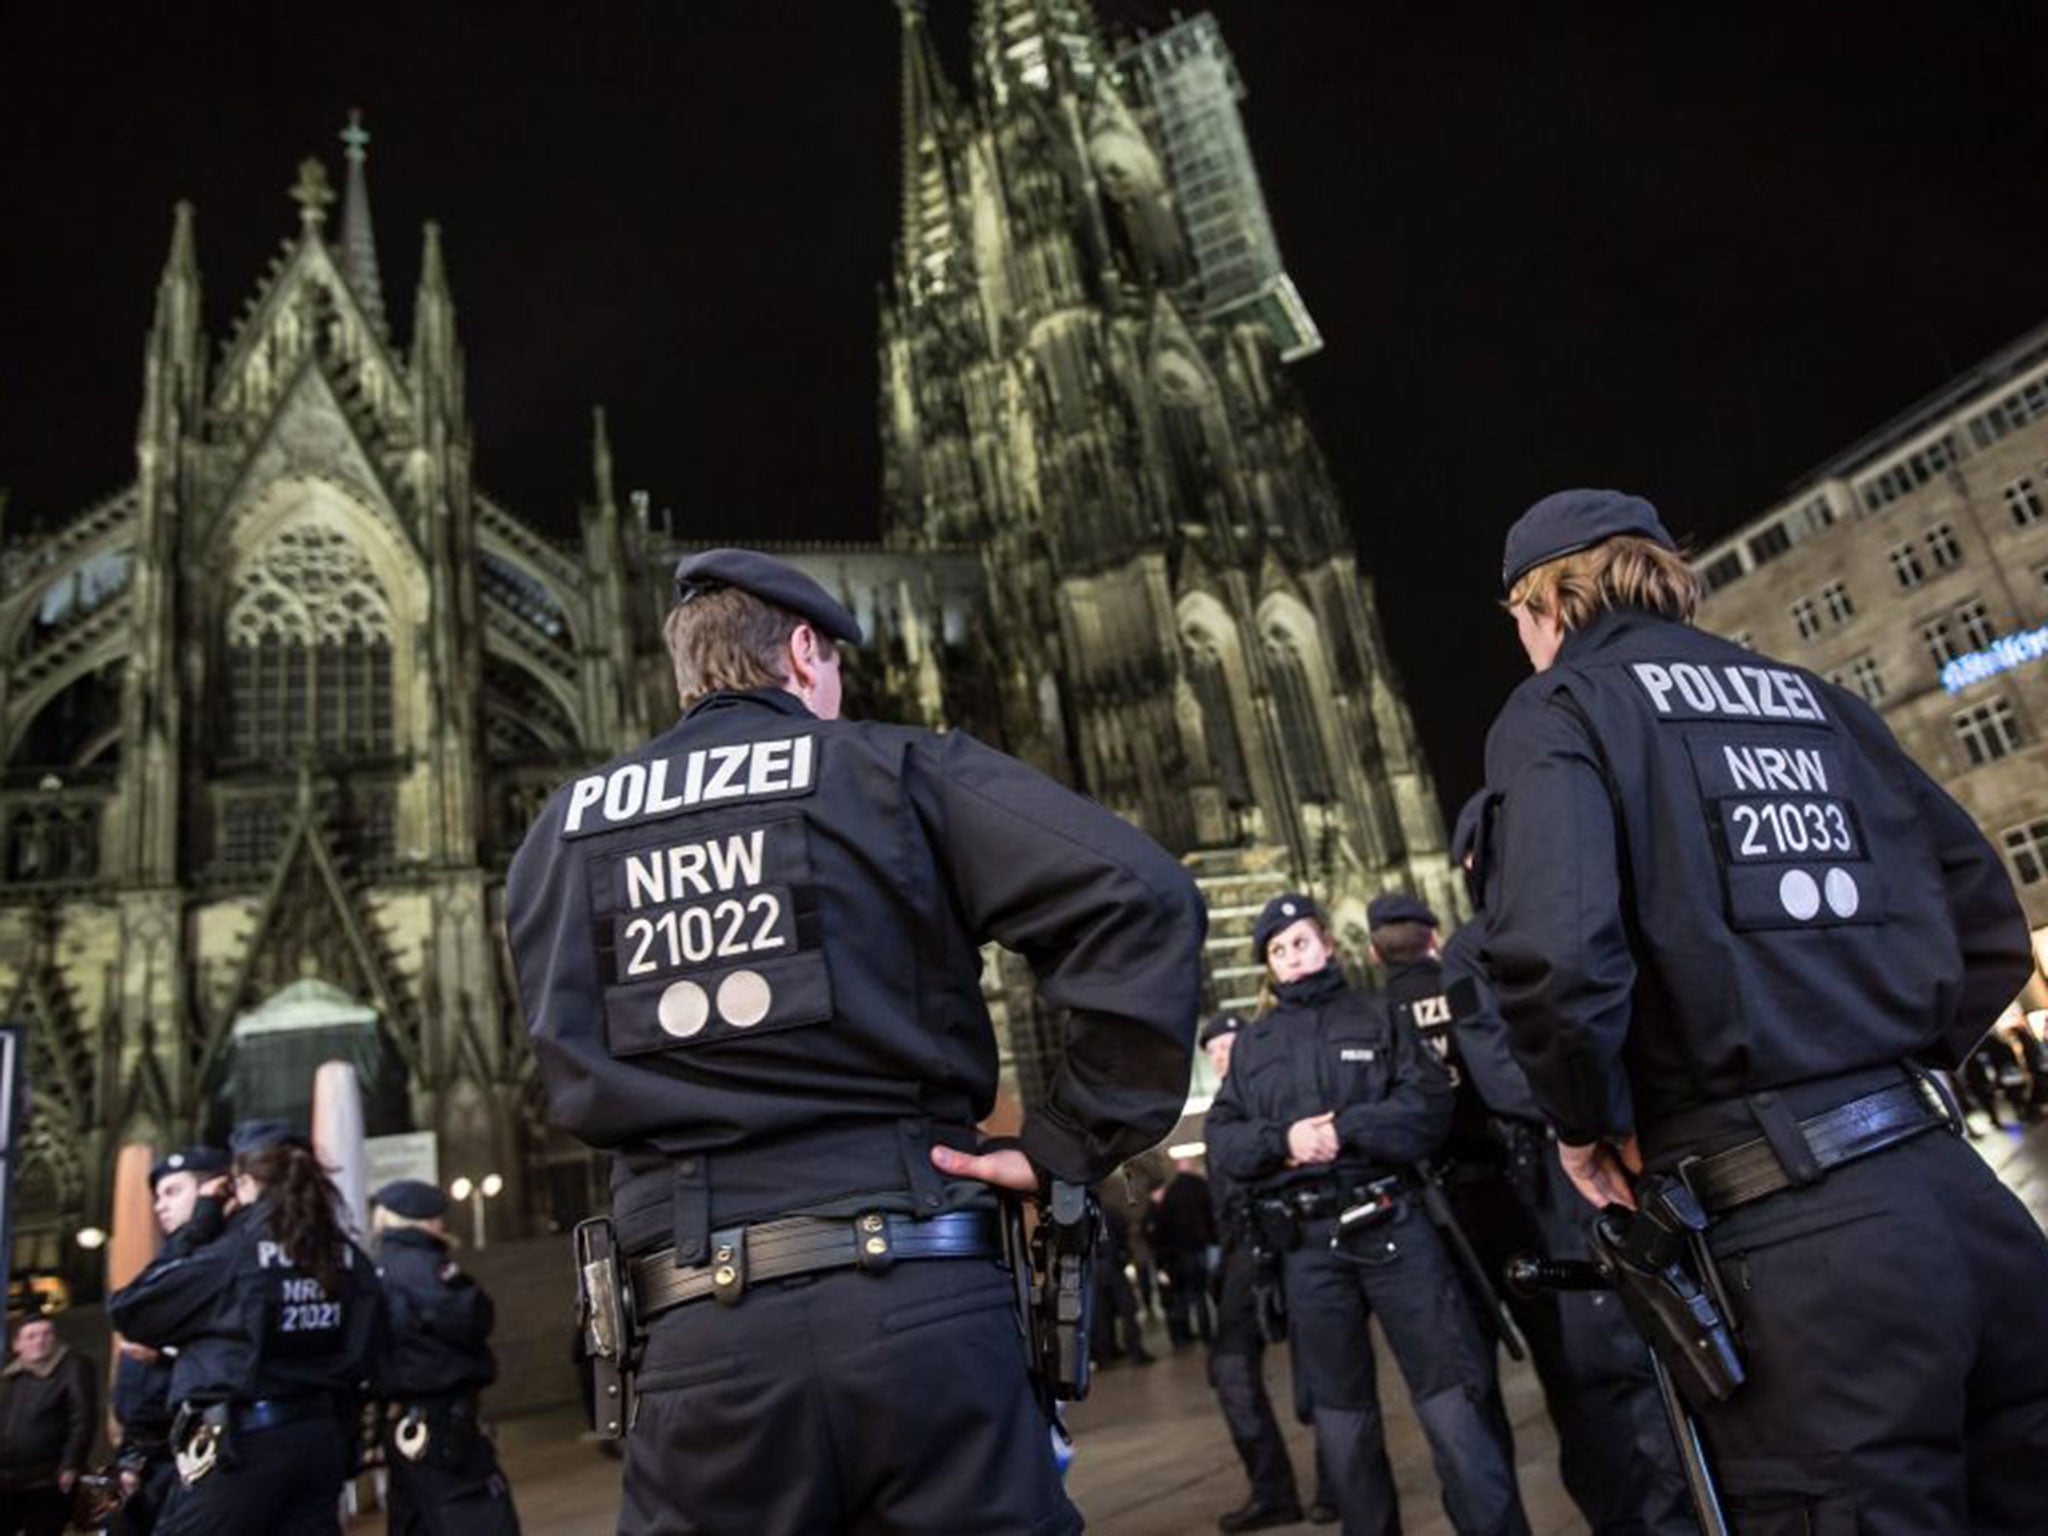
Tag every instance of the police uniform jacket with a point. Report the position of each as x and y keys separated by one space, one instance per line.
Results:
x=1708 y=873
x=749 y=954
x=142 y=1398
x=1327 y=1047
x=437 y=1342
x=248 y=1323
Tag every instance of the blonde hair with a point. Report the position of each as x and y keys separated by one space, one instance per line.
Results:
x=728 y=639
x=1622 y=572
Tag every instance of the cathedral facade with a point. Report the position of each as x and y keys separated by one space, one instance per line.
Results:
x=274 y=714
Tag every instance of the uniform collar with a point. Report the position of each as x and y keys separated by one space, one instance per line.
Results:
x=1310 y=990
x=780 y=700
x=413 y=1237
x=1607 y=626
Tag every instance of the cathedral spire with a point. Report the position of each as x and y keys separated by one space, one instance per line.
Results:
x=358 y=239
x=929 y=111
x=601 y=461
x=174 y=356
x=436 y=363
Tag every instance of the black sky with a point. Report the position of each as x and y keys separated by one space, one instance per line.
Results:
x=1689 y=250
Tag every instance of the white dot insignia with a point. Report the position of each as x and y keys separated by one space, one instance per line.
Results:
x=1287 y=908
x=1799 y=894
x=684 y=1009
x=1843 y=896
x=744 y=998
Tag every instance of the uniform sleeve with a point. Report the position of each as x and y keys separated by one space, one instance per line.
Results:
x=1556 y=945
x=171 y=1300
x=1411 y=1122
x=1112 y=927
x=1985 y=912
x=1244 y=1146
x=460 y=1311
x=1480 y=1032
x=547 y=924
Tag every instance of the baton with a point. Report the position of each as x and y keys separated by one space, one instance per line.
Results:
x=1446 y=1222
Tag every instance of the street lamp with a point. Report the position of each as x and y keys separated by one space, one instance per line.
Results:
x=476 y=1193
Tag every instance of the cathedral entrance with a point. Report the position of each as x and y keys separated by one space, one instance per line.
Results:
x=274 y=1050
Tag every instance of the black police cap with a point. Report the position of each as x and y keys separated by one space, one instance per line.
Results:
x=253 y=1136
x=1565 y=522
x=771 y=580
x=1283 y=911
x=1398 y=907
x=205 y=1162
x=1223 y=1024
x=414 y=1199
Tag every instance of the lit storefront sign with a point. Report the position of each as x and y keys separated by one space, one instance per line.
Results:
x=2002 y=655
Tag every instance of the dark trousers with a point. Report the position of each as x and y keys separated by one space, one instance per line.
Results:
x=1187 y=1297
x=844 y=1402
x=1400 y=1271
x=1895 y=1326
x=141 y=1510
x=33 y=1512
x=1614 y=1447
x=284 y=1482
x=1237 y=1372
x=455 y=1489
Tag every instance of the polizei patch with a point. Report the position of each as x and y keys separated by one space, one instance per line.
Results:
x=704 y=776
x=1690 y=690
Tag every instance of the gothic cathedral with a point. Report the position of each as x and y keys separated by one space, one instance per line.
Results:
x=274 y=714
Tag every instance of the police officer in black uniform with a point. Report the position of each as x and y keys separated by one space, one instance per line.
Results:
x=188 y=1191
x=1330 y=1100
x=274 y=1322
x=1730 y=921
x=1502 y=1181
x=1237 y=1357
x=443 y=1470
x=749 y=956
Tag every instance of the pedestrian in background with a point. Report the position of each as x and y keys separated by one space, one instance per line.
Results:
x=49 y=1397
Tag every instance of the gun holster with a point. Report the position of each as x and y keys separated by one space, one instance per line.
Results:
x=1055 y=1278
x=202 y=1438
x=604 y=1311
x=1668 y=1285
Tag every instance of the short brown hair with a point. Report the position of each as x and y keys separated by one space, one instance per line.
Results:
x=1622 y=572
x=728 y=639
x=1399 y=943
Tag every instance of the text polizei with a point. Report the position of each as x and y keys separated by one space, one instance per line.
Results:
x=706 y=776
x=1690 y=690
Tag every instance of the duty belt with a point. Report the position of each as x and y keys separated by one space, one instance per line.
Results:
x=1746 y=1173
x=802 y=1245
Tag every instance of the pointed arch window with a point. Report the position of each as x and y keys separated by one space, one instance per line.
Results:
x=1301 y=738
x=309 y=652
x=1211 y=685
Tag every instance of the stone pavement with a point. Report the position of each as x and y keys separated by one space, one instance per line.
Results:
x=1153 y=1456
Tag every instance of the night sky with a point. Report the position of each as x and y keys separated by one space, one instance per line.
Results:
x=1688 y=250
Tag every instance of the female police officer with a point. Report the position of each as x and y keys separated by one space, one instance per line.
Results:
x=1728 y=918
x=1327 y=1104
x=274 y=1322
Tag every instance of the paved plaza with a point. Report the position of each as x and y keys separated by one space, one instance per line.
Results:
x=1153 y=1456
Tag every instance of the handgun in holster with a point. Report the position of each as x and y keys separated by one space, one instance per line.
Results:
x=202 y=1438
x=1055 y=1278
x=1668 y=1284
x=1269 y=1233
x=604 y=1312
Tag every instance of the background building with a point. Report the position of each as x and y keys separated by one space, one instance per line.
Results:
x=1913 y=568
x=274 y=714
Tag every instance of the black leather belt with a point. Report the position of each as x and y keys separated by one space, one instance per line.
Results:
x=802 y=1245
x=270 y=1412
x=1748 y=1172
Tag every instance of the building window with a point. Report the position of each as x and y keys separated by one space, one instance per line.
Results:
x=1770 y=544
x=1906 y=565
x=1806 y=618
x=1301 y=739
x=1942 y=547
x=2023 y=502
x=2027 y=847
x=1939 y=638
x=1973 y=626
x=1722 y=570
x=2027 y=403
x=1910 y=473
x=1987 y=732
x=1211 y=685
x=1835 y=598
x=1862 y=675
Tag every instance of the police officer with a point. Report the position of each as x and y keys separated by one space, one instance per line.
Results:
x=444 y=1477
x=1501 y=1178
x=748 y=952
x=1729 y=920
x=1237 y=1358
x=1330 y=1100
x=274 y=1323
x=188 y=1194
